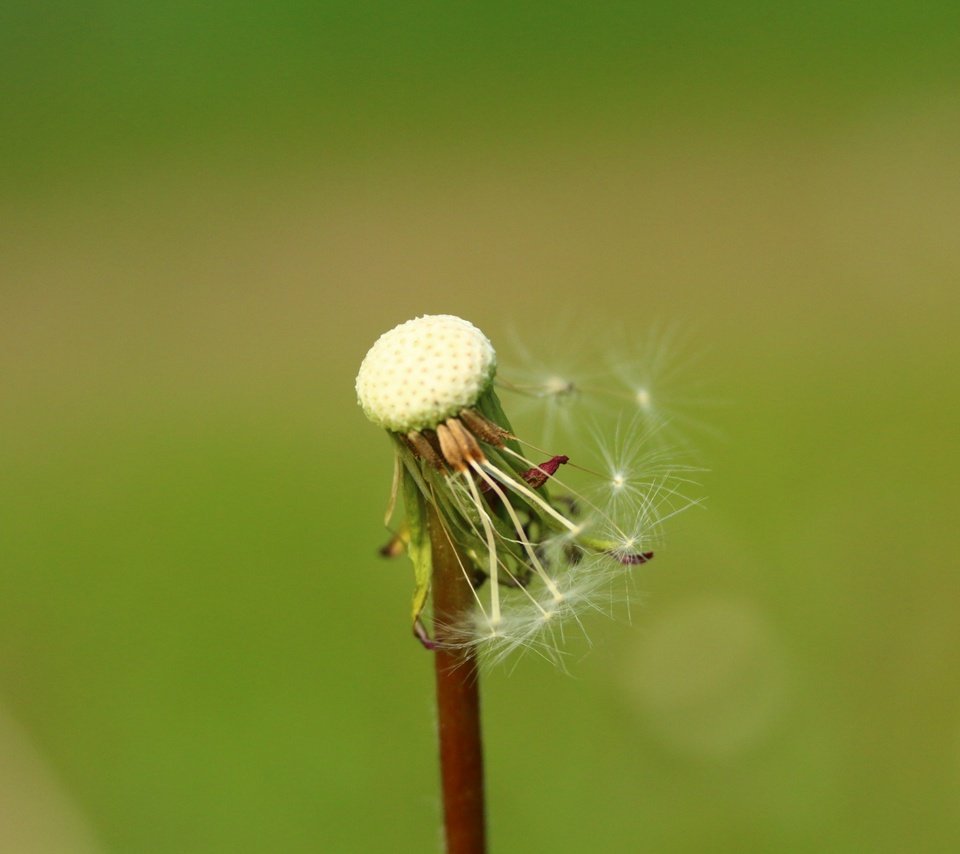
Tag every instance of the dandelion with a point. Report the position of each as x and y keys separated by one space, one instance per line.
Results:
x=510 y=552
x=534 y=561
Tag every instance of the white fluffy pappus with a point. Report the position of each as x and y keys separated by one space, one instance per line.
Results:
x=618 y=510
x=655 y=375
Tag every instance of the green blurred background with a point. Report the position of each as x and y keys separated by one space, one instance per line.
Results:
x=209 y=214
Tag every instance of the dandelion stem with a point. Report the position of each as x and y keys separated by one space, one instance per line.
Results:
x=458 y=704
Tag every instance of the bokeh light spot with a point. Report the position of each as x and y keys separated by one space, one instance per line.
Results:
x=710 y=676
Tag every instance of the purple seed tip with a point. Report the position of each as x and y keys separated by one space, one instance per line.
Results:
x=420 y=633
x=633 y=559
x=538 y=475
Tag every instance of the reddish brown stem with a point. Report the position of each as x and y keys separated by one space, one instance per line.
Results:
x=458 y=706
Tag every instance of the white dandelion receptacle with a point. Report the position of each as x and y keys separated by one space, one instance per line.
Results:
x=424 y=371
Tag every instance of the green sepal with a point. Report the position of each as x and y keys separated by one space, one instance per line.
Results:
x=418 y=543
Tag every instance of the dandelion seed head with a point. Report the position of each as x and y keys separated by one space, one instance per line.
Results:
x=544 y=533
x=423 y=371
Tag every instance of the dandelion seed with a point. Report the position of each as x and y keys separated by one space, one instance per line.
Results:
x=538 y=553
